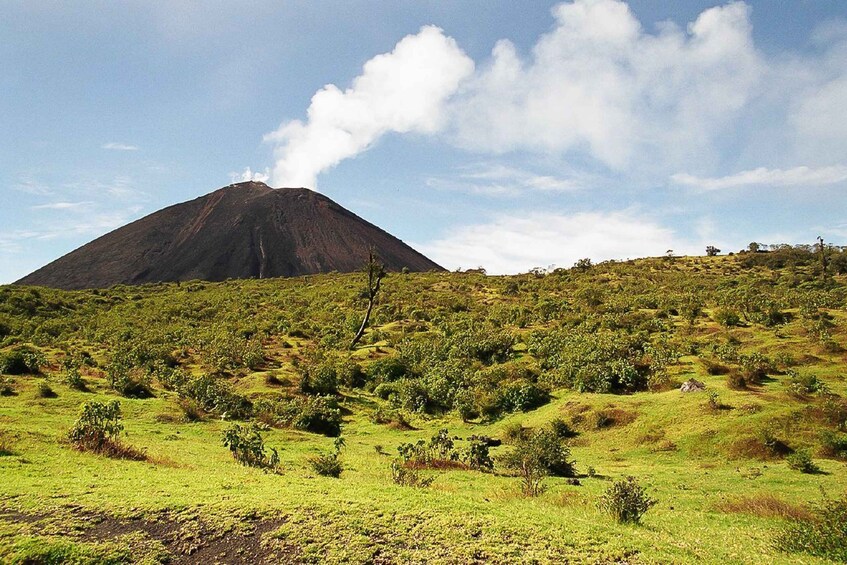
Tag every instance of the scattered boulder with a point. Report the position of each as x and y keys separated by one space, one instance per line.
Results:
x=692 y=385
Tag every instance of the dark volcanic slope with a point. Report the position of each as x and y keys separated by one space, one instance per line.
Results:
x=240 y=231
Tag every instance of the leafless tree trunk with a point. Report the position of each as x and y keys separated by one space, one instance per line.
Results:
x=376 y=271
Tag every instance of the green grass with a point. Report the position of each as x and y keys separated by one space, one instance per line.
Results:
x=685 y=454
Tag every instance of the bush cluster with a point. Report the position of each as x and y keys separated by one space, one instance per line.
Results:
x=825 y=535
x=248 y=447
x=626 y=501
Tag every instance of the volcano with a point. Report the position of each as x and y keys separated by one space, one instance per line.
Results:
x=244 y=230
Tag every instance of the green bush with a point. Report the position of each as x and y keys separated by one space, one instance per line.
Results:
x=825 y=535
x=523 y=396
x=319 y=378
x=405 y=476
x=316 y=414
x=128 y=381
x=98 y=425
x=801 y=461
x=436 y=453
x=805 y=384
x=6 y=388
x=213 y=395
x=387 y=369
x=22 y=360
x=248 y=448
x=45 y=391
x=727 y=317
x=329 y=464
x=476 y=455
x=833 y=445
x=326 y=464
x=73 y=378
x=538 y=454
x=626 y=501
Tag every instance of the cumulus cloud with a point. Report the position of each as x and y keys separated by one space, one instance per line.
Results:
x=513 y=244
x=403 y=91
x=601 y=85
x=798 y=176
x=117 y=146
x=248 y=175
x=502 y=180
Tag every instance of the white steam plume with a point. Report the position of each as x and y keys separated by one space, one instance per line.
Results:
x=401 y=91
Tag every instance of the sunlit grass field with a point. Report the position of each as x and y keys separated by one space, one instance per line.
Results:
x=719 y=500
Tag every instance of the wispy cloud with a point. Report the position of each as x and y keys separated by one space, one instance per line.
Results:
x=62 y=206
x=31 y=186
x=796 y=177
x=512 y=244
x=501 y=180
x=96 y=223
x=117 y=146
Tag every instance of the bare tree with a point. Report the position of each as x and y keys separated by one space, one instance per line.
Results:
x=376 y=272
x=822 y=249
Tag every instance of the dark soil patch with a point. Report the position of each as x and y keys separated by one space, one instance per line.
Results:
x=186 y=539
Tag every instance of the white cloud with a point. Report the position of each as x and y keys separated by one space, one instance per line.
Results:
x=512 y=244
x=501 y=180
x=798 y=176
x=31 y=186
x=117 y=146
x=402 y=91
x=599 y=84
x=248 y=175
x=62 y=206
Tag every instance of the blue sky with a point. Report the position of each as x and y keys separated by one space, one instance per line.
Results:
x=508 y=135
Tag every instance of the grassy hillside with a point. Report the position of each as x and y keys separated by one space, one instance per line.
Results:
x=598 y=350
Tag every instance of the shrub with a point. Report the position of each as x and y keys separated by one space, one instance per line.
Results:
x=22 y=360
x=97 y=430
x=523 y=396
x=6 y=388
x=73 y=378
x=394 y=418
x=536 y=455
x=755 y=368
x=727 y=318
x=128 y=381
x=476 y=455
x=386 y=370
x=405 y=476
x=317 y=414
x=319 y=378
x=555 y=453
x=438 y=452
x=248 y=448
x=626 y=501
x=170 y=378
x=833 y=445
x=351 y=375
x=525 y=459
x=515 y=432
x=825 y=535
x=736 y=381
x=44 y=391
x=802 y=385
x=192 y=411
x=801 y=461
x=214 y=396
x=328 y=464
